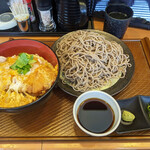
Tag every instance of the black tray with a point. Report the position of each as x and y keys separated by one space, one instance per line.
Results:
x=34 y=30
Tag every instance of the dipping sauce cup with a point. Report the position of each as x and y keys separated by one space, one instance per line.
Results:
x=96 y=113
x=117 y=19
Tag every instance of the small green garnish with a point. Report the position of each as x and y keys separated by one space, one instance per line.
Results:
x=148 y=108
x=23 y=63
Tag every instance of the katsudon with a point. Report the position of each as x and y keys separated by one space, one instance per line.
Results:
x=24 y=78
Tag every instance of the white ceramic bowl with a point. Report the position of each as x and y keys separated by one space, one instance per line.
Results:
x=105 y=97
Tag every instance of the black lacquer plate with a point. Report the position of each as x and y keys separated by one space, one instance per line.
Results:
x=120 y=84
x=138 y=106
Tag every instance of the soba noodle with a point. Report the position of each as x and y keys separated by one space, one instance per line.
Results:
x=89 y=61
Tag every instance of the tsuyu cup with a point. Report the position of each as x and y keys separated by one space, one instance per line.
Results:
x=117 y=19
x=108 y=99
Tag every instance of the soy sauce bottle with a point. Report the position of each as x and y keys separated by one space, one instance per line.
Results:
x=31 y=10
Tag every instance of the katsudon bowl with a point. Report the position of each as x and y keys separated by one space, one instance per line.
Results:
x=15 y=47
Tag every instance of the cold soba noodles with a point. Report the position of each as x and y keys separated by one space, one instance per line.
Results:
x=89 y=61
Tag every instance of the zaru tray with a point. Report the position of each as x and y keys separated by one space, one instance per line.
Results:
x=54 y=121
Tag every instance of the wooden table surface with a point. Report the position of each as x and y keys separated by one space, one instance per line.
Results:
x=131 y=33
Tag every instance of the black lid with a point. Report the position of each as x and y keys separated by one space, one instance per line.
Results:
x=44 y=4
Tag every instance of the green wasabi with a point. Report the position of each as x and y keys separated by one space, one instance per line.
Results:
x=127 y=117
x=148 y=109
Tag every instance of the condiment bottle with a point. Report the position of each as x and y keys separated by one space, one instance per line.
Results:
x=31 y=11
x=45 y=15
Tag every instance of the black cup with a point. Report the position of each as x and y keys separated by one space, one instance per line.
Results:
x=117 y=19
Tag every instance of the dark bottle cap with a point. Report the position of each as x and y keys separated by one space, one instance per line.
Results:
x=44 y=4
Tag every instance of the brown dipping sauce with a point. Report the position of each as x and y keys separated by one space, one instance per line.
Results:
x=95 y=115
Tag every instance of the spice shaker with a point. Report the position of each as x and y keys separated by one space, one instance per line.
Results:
x=45 y=15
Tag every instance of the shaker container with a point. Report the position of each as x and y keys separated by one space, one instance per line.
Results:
x=45 y=15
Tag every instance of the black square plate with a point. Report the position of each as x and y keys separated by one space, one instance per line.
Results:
x=137 y=105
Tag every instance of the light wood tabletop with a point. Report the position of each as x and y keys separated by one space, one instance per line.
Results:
x=105 y=144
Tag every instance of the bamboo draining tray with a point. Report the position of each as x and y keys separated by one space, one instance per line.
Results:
x=54 y=121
